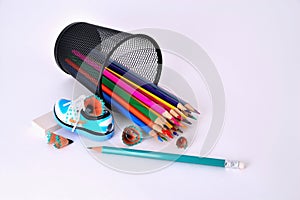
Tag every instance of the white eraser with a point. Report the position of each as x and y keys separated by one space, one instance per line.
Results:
x=46 y=123
x=242 y=165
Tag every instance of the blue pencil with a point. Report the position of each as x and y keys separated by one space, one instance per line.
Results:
x=130 y=116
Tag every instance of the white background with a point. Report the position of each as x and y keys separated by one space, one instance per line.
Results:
x=255 y=46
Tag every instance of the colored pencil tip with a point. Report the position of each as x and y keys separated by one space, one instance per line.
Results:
x=89 y=147
x=70 y=141
x=187 y=121
x=196 y=111
x=176 y=134
x=168 y=133
x=178 y=117
x=160 y=139
x=193 y=117
x=179 y=130
x=165 y=139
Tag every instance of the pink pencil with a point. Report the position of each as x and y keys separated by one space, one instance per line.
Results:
x=139 y=96
x=86 y=59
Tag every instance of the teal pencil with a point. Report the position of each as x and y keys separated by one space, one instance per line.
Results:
x=171 y=157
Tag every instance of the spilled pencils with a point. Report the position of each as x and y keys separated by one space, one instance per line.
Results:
x=156 y=111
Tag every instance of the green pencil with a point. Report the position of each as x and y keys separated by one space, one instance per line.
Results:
x=171 y=157
x=134 y=102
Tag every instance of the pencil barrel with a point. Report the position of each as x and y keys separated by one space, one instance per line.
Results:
x=164 y=156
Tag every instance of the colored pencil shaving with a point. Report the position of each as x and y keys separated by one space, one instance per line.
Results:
x=58 y=141
x=131 y=135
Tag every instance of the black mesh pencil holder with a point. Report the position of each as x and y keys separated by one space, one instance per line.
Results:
x=83 y=50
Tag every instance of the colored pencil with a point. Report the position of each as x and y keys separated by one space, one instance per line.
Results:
x=170 y=108
x=147 y=101
x=156 y=99
x=123 y=71
x=154 y=116
x=77 y=68
x=139 y=96
x=158 y=120
x=80 y=76
x=132 y=109
x=174 y=112
x=170 y=157
x=145 y=85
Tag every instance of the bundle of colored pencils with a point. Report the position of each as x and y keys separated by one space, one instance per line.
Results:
x=155 y=110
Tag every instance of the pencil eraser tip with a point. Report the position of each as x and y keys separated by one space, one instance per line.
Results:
x=242 y=165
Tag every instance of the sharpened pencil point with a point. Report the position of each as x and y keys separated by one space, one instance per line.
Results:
x=160 y=139
x=190 y=108
x=196 y=111
x=191 y=116
x=165 y=139
x=70 y=141
x=186 y=121
x=180 y=130
x=98 y=149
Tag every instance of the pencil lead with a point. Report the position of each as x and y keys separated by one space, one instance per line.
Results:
x=160 y=139
x=178 y=129
x=196 y=111
x=169 y=134
x=191 y=116
x=186 y=121
x=175 y=133
x=165 y=139
x=70 y=141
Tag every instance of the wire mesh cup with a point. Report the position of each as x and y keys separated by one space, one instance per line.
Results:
x=83 y=50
